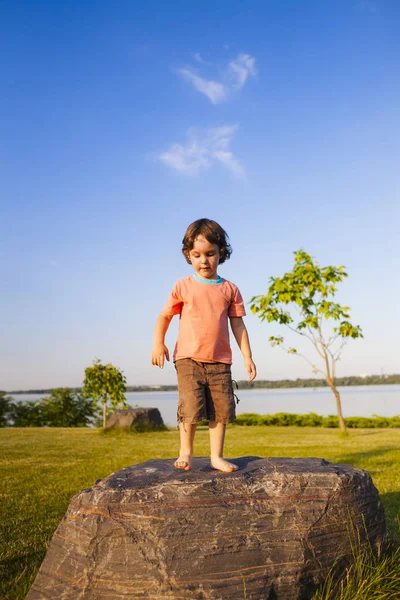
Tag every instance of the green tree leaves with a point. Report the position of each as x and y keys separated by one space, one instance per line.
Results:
x=104 y=383
x=63 y=408
x=302 y=300
x=5 y=407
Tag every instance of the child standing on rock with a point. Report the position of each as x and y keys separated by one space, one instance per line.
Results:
x=203 y=357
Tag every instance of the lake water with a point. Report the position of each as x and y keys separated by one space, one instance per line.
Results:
x=357 y=401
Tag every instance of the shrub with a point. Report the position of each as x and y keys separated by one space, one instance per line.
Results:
x=63 y=408
x=331 y=421
x=269 y=420
x=248 y=419
x=285 y=419
x=27 y=414
x=381 y=421
x=5 y=406
x=364 y=422
x=313 y=420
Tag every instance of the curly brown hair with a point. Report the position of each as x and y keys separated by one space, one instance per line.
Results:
x=213 y=233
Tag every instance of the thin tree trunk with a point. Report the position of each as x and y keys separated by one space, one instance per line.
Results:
x=104 y=412
x=342 y=424
x=330 y=379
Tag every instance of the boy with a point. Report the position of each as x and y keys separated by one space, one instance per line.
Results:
x=202 y=353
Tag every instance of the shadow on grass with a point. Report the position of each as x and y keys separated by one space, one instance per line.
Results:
x=356 y=457
x=133 y=430
x=391 y=503
x=17 y=574
x=390 y=500
x=366 y=432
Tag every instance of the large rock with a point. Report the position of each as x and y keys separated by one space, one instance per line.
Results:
x=271 y=530
x=135 y=417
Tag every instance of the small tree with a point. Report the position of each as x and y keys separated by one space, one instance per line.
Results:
x=103 y=383
x=310 y=288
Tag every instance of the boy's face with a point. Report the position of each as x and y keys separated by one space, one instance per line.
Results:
x=204 y=257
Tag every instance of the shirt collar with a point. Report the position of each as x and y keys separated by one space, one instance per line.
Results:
x=208 y=281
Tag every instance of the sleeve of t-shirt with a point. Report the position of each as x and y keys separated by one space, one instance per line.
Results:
x=173 y=305
x=236 y=308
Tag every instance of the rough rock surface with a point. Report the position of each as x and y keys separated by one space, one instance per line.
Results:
x=269 y=531
x=135 y=416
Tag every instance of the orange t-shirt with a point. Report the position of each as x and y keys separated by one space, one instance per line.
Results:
x=204 y=307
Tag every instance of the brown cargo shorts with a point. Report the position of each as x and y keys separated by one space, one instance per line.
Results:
x=205 y=391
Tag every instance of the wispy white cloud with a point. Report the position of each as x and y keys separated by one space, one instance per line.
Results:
x=241 y=68
x=214 y=90
x=197 y=58
x=233 y=78
x=202 y=151
x=228 y=160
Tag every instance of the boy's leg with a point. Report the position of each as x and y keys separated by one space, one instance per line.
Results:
x=187 y=431
x=217 y=438
x=221 y=410
x=192 y=408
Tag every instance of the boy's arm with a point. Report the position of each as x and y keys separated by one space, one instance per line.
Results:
x=160 y=350
x=241 y=336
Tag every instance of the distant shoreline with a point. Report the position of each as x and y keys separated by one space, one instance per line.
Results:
x=353 y=380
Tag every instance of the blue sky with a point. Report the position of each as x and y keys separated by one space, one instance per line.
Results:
x=123 y=122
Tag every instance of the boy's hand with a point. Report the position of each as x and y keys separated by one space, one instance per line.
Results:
x=157 y=356
x=250 y=368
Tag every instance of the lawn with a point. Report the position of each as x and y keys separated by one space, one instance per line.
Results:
x=41 y=469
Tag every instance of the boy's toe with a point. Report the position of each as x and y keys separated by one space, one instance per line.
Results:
x=182 y=463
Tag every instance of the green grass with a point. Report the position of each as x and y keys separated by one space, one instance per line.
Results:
x=41 y=469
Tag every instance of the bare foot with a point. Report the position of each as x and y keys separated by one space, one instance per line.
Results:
x=220 y=464
x=183 y=462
